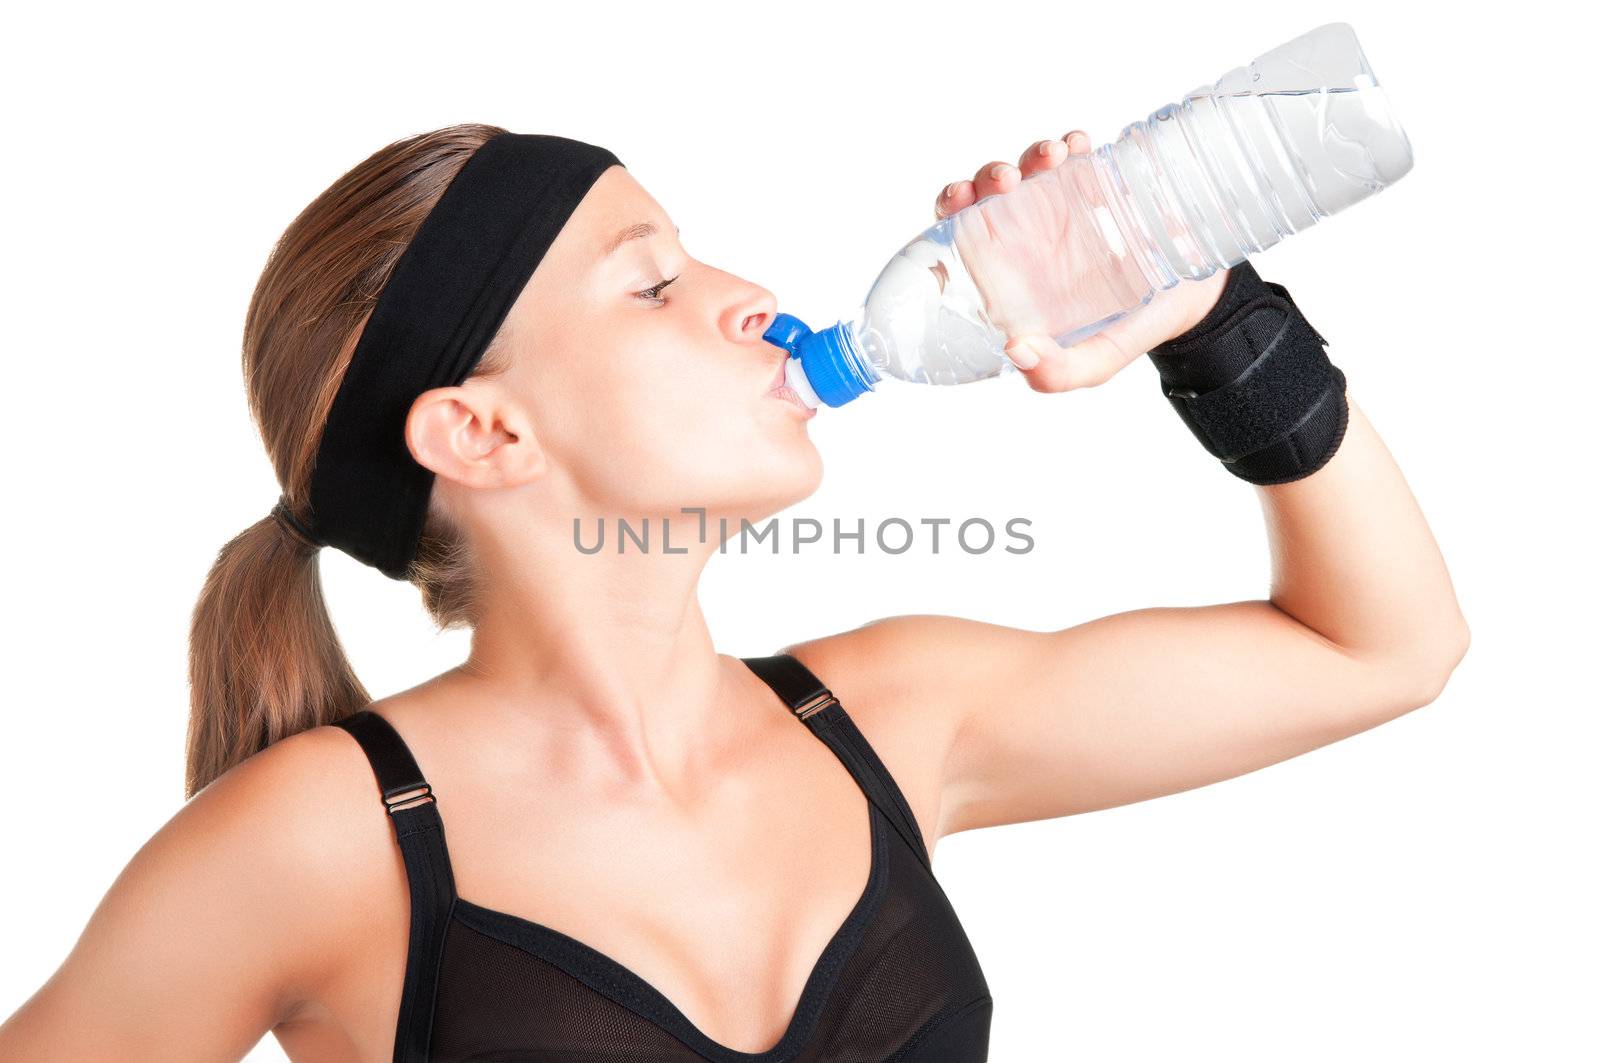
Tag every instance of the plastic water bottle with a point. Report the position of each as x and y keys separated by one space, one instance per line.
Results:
x=1268 y=150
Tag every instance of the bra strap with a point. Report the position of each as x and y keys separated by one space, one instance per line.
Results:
x=814 y=704
x=420 y=833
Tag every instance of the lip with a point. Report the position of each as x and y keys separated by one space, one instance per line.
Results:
x=778 y=377
x=779 y=389
x=789 y=395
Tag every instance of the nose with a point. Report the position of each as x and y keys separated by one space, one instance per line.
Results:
x=752 y=314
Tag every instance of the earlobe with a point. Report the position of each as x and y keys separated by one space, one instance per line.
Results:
x=469 y=437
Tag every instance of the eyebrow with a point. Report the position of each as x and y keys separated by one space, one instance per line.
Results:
x=636 y=231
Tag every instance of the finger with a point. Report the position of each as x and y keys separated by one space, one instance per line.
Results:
x=998 y=176
x=953 y=197
x=1043 y=155
x=995 y=177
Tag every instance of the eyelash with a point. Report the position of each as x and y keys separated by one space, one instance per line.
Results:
x=655 y=292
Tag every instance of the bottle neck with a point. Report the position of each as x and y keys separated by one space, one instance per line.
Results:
x=835 y=365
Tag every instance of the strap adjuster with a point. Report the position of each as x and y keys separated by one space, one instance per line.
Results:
x=815 y=704
x=407 y=797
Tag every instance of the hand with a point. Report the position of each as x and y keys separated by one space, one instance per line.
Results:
x=1046 y=365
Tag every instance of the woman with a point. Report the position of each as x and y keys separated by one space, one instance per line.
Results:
x=693 y=856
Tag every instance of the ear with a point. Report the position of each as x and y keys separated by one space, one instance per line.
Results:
x=474 y=436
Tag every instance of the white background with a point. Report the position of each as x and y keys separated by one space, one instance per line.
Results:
x=1421 y=891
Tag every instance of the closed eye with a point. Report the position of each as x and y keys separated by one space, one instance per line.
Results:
x=654 y=293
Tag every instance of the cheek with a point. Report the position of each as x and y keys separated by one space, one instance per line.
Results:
x=686 y=417
x=658 y=429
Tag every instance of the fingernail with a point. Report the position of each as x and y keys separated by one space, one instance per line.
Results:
x=1022 y=355
x=998 y=170
x=1048 y=146
x=950 y=190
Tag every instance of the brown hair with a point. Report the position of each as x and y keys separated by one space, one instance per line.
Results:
x=264 y=660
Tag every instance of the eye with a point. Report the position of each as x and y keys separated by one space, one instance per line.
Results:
x=654 y=293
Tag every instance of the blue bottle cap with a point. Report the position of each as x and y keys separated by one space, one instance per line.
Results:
x=827 y=358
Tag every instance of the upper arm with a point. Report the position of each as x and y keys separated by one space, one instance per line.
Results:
x=214 y=929
x=1035 y=725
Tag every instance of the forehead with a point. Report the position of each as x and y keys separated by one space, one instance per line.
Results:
x=613 y=203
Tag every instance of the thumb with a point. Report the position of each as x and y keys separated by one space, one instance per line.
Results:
x=1047 y=366
x=1027 y=352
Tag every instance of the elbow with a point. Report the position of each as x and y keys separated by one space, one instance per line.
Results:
x=1432 y=665
x=1414 y=673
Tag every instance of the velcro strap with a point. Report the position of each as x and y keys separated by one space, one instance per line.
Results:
x=1287 y=373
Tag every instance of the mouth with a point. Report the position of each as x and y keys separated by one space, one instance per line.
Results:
x=780 y=389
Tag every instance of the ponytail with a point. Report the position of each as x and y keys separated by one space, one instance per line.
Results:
x=264 y=659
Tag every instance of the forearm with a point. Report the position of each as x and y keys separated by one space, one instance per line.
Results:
x=1353 y=559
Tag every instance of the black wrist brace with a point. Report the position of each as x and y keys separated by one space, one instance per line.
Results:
x=1254 y=385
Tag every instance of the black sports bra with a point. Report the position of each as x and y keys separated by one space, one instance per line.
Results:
x=898 y=981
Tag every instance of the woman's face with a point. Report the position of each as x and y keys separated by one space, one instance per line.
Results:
x=646 y=399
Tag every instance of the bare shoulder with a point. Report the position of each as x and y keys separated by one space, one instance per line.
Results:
x=288 y=843
x=317 y=787
x=305 y=815
x=910 y=660
x=300 y=805
x=900 y=678
x=224 y=918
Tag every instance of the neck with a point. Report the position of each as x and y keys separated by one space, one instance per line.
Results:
x=607 y=654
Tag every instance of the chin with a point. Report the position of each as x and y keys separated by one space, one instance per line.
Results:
x=790 y=477
x=801 y=470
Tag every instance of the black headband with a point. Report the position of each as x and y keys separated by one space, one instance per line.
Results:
x=450 y=291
